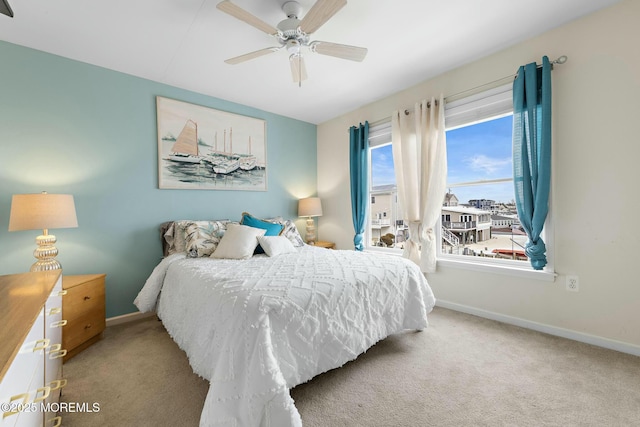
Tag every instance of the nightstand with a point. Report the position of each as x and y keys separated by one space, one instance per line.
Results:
x=83 y=307
x=327 y=245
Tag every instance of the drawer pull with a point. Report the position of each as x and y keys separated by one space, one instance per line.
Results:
x=25 y=400
x=55 y=310
x=59 y=323
x=56 y=353
x=58 y=384
x=46 y=391
x=87 y=297
x=87 y=326
x=57 y=420
x=63 y=293
x=41 y=344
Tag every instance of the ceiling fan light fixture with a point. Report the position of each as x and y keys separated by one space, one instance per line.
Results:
x=293 y=46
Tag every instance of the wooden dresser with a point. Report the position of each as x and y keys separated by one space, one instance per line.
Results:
x=83 y=306
x=31 y=351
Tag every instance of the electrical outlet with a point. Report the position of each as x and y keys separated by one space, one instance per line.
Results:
x=573 y=284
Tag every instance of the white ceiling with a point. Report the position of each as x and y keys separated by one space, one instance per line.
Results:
x=183 y=43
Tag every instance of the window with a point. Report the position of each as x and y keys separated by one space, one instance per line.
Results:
x=479 y=224
x=386 y=225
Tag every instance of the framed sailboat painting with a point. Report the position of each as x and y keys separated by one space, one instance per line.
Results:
x=207 y=149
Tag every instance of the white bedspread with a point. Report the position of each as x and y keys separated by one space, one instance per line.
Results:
x=256 y=328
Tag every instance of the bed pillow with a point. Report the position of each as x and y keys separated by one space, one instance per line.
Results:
x=202 y=237
x=290 y=231
x=272 y=228
x=238 y=242
x=276 y=245
x=175 y=235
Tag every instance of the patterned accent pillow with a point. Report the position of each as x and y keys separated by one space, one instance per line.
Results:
x=202 y=237
x=290 y=231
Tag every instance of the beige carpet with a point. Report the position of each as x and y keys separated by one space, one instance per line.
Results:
x=461 y=371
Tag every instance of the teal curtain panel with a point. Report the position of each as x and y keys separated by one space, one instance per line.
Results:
x=532 y=153
x=358 y=158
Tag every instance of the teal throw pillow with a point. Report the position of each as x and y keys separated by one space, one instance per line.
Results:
x=272 y=229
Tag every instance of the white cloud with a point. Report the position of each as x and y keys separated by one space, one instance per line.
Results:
x=488 y=165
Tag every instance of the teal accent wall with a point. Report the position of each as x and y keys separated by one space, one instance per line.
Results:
x=73 y=128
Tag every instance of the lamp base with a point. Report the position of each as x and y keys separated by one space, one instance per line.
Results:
x=311 y=232
x=46 y=253
x=46 y=265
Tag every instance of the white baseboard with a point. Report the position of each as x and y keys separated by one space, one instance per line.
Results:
x=126 y=318
x=548 y=329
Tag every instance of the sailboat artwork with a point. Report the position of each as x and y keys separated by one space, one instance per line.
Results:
x=248 y=161
x=214 y=150
x=185 y=148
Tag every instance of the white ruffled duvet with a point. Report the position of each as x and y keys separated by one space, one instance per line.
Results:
x=256 y=328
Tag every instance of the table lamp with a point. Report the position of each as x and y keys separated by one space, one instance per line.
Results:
x=43 y=211
x=310 y=207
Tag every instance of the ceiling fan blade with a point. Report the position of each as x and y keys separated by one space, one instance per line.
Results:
x=320 y=13
x=298 y=69
x=241 y=14
x=344 y=51
x=252 y=55
x=5 y=9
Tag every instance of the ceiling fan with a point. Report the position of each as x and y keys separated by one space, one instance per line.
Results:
x=293 y=34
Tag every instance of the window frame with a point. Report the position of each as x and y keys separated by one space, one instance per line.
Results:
x=486 y=105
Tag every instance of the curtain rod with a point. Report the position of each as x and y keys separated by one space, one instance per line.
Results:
x=559 y=61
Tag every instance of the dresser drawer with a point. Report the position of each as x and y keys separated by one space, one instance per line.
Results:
x=83 y=307
x=28 y=362
x=82 y=299
x=83 y=328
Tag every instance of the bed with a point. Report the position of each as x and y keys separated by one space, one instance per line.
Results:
x=258 y=326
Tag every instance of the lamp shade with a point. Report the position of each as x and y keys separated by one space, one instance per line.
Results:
x=310 y=206
x=42 y=211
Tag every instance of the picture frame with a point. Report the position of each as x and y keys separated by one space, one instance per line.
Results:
x=201 y=148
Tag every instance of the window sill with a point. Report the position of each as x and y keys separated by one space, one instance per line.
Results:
x=496 y=268
x=463 y=263
x=386 y=251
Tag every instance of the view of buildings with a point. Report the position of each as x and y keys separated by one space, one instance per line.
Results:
x=479 y=216
x=480 y=227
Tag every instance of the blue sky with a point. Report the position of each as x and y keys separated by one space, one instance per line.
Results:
x=478 y=152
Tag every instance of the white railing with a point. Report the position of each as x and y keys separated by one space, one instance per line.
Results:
x=450 y=237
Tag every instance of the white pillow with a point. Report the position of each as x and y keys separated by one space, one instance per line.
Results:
x=276 y=245
x=238 y=242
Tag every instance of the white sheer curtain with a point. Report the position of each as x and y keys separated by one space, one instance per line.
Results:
x=420 y=161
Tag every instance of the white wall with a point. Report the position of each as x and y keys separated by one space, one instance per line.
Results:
x=595 y=179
